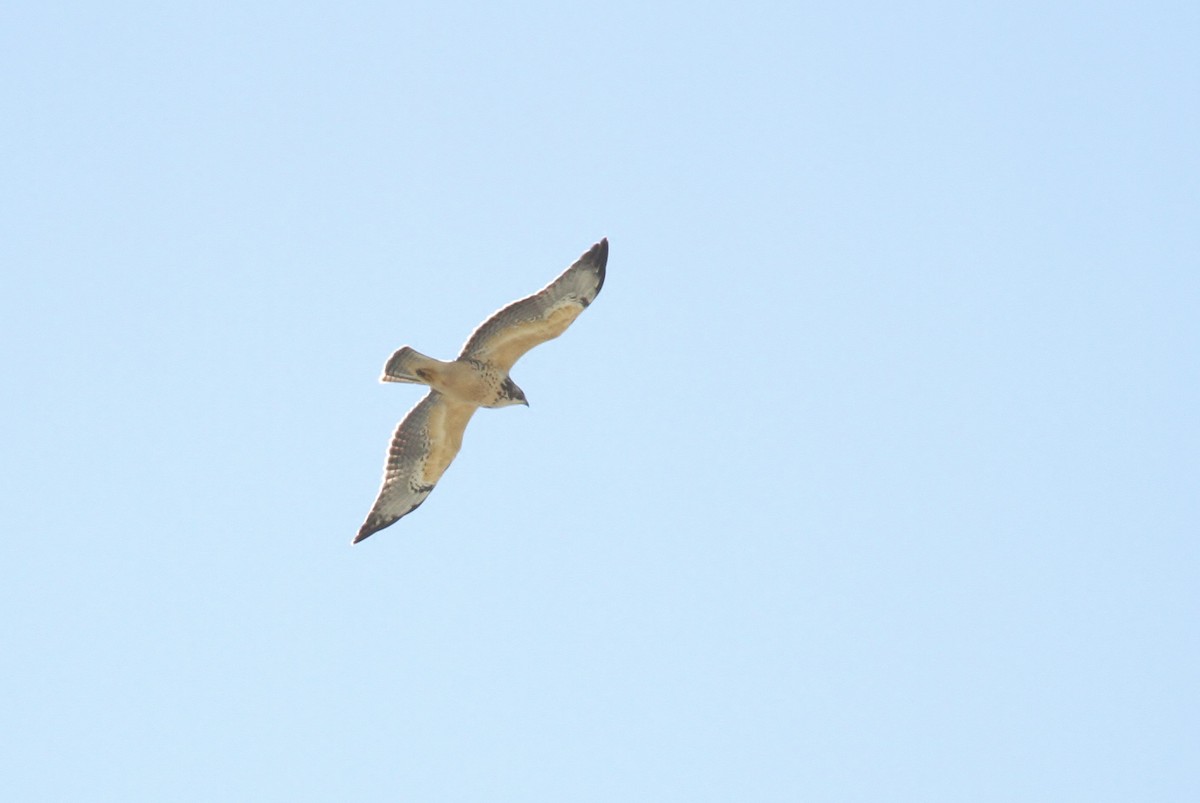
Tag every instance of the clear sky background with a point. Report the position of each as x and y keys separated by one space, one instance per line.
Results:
x=870 y=476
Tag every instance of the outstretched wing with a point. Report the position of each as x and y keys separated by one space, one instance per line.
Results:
x=514 y=330
x=424 y=444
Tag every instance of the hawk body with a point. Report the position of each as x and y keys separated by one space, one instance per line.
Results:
x=462 y=380
x=429 y=437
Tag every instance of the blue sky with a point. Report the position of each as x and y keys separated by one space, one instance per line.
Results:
x=871 y=474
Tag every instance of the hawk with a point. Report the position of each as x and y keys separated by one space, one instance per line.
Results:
x=429 y=437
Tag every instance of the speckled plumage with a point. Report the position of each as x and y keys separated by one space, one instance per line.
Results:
x=429 y=437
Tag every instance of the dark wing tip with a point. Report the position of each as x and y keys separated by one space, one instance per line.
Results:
x=376 y=522
x=372 y=525
x=597 y=259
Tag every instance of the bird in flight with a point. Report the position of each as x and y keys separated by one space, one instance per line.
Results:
x=429 y=437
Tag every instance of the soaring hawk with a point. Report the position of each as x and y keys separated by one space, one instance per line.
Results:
x=430 y=435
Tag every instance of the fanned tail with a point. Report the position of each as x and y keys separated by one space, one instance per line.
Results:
x=409 y=365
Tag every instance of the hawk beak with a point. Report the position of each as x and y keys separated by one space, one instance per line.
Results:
x=525 y=402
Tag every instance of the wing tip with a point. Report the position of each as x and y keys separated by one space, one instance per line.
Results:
x=376 y=522
x=597 y=258
x=372 y=525
x=598 y=253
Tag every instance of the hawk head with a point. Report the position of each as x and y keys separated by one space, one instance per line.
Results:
x=510 y=394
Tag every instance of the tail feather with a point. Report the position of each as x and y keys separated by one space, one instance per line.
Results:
x=408 y=365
